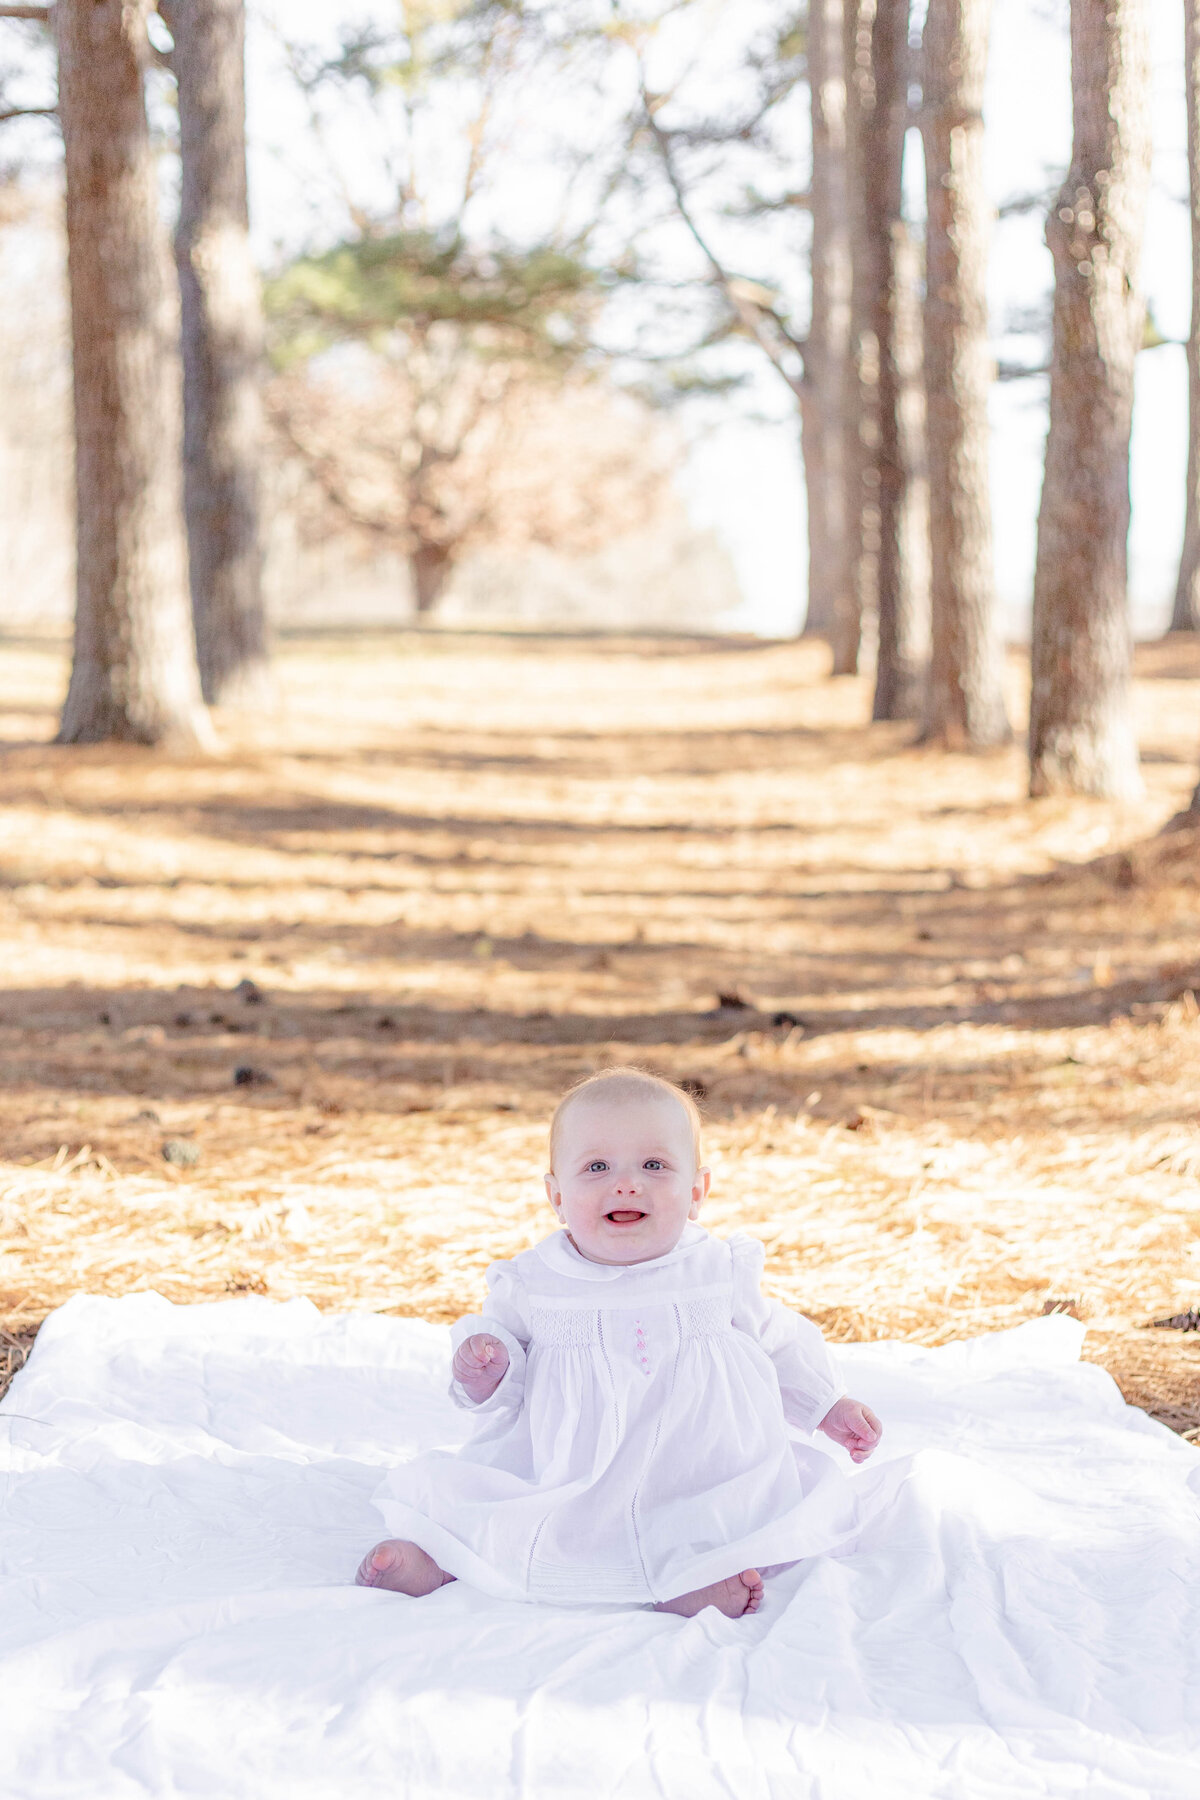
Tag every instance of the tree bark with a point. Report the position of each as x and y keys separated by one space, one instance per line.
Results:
x=1081 y=737
x=860 y=422
x=903 y=665
x=222 y=350
x=133 y=677
x=1185 y=615
x=886 y=264
x=964 y=698
x=828 y=339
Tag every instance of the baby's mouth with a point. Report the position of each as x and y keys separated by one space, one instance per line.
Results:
x=627 y=1217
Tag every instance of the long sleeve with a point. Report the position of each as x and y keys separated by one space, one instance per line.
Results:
x=504 y=1316
x=808 y=1380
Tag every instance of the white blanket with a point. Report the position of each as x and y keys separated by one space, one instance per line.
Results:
x=186 y=1493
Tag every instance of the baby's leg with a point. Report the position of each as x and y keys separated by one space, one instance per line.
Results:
x=736 y=1596
x=402 y=1567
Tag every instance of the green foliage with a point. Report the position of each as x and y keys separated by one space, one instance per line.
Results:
x=534 y=302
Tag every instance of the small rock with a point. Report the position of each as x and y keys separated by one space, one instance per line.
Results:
x=387 y=1023
x=147 y=1116
x=181 y=1153
x=106 y=1018
x=732 y=1001
x=247 y=1076
x=183 y=1020
x=787 y=1019
x=216 y=1018
x=249 y=992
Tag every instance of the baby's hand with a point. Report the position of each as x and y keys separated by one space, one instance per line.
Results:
x=853 y=1426
x=480 y=1363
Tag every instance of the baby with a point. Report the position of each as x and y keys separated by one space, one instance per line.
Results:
x=634 y=1391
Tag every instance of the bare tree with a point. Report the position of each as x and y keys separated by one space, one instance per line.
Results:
x=134 y=674
x=1185 y=615
x=435 y=449
x=827 y=344
x=964 y=698
x=222 y=349
x=1081 y=737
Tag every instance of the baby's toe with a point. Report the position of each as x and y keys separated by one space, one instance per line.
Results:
x=374 y=1566
x=752 y=1582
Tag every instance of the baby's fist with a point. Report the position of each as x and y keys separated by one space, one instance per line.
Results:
x=480 y=1364
x=853 y=1426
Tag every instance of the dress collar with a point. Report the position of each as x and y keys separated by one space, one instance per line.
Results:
x=560 y=1254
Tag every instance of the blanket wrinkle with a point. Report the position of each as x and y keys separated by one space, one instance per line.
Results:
x=186 y=1492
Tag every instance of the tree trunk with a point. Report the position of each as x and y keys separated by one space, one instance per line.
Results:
x=964 y=697
x=1186 y=613
x=827 y=343
x=429 y=566
x=885 y=267
x=860 y=423
x=907 y=657
x=222 y=350
x=1081 y=737
x=134 y=677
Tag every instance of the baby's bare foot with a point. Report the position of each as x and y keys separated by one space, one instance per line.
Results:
x=401 y=1567
x=736 y=1596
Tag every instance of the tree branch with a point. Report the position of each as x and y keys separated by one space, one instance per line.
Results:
x=752 y=311
x=28 y=112
x=41 y=14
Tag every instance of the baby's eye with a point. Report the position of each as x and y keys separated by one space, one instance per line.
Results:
x=597 y=1167
x=654 y=1162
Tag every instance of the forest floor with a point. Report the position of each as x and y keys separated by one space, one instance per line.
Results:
x=948 y=1040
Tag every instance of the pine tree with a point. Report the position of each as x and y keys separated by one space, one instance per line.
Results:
x=1081 y=737
x=133 y=676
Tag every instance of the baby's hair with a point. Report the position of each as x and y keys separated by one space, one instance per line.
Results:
x=625 y=1084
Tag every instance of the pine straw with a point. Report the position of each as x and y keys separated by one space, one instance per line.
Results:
x=961 y=1086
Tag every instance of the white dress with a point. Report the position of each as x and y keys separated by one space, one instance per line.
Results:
x=638 y=1446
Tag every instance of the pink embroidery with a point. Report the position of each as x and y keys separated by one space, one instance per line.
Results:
x=640 y=1340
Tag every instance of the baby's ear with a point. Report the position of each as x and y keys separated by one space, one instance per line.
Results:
x=553 y=1191
x=700 y=1186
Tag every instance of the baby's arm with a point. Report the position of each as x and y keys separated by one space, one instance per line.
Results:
x=489 y=1347
x=813 y=1396
x=480 y=1365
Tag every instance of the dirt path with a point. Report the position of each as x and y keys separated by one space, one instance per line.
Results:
x=950 y=1060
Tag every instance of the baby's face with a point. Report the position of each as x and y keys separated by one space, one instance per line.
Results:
x=625 y=1182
